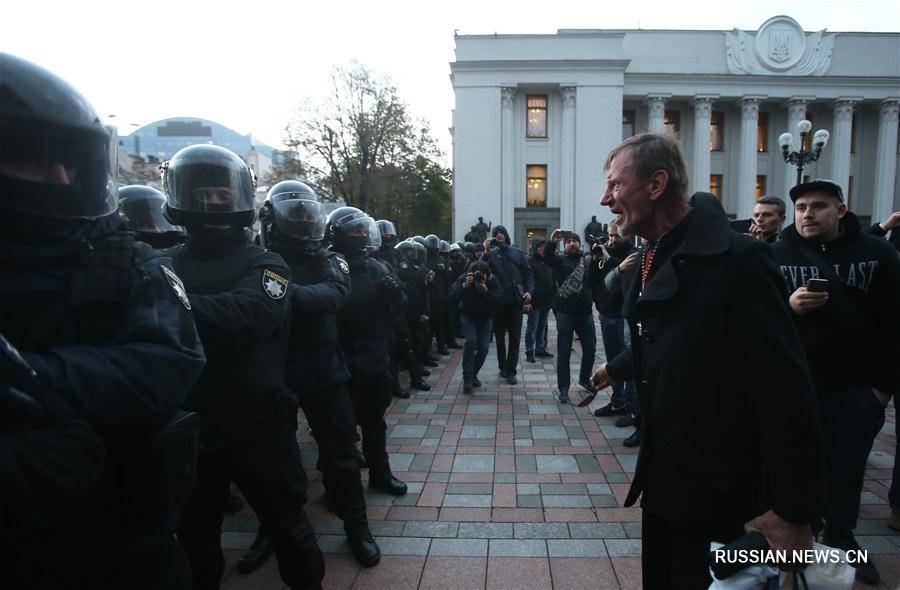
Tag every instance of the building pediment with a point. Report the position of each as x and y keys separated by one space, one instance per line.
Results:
x=779 y=47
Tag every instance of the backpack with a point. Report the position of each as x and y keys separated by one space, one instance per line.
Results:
x=571 y=288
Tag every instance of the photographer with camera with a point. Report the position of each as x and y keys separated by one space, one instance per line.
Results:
x=572 y=307
x=476 y=295
x=509 y=266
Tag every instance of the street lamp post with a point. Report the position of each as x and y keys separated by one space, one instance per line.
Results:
x=801 y=158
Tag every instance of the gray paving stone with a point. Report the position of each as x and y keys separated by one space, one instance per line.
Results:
x=438 y=421
x=628 y=462
x=479 y=431
x=633 y=530
x=382 y=528
x=526 y=464
x=505 y=451
x=870 y=498
x=623 y=547
x=408 y=431
x=485 y=530
x=603 y=501
x=403 y=545
x=596 y=530
x=459 y=547
x=377 y=498
x=529 y=501
x=540 y=530
x=421 y=463
x=430 y=442
x=237 y=540
x=876 y=544
x=522 y=432
x=588 y=464
x=322 y=526
x=482 y=409
x=473 y=464
x=579 y=442
x=872 y=526
x=521 y=423
x=437 y=477
x=557 y=464
x=401 y=461
x=598 y=489
x=517 y=548
x=523 y=442
x=552 y=432
x=476 y=442
x=881 y=460
x=504 y=478
x=542 y=409
x=616 y=477
x=416 y=528
x=574 y=432
x=567 y=501
x=407 y=499
x=446 y=450
x=434 y=432
x=421 y=408
x=469 y=488
x=528 y=488
x=563 y=488
x=576 y=548
x=331 y=544
x=466 y=501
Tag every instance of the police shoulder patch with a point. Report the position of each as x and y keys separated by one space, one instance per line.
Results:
x=274 y=284
x=343 y=265
x=177 y=286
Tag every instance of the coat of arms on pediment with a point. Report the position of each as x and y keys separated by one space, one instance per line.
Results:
x=779 y=47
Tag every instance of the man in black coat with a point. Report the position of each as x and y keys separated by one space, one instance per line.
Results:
x=731 y=438
x=544 y=291
x=849 y=331
x=513 y=272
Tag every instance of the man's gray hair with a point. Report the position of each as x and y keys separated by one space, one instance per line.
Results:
x=655 y=151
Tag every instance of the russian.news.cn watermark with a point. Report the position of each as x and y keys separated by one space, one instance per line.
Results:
x=784 y=557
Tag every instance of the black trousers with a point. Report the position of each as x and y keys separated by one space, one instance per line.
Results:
x=438 y=322
x=371 y=397
x=508 y=320
x=672 y=559
x=268 y=470
x=330 y=416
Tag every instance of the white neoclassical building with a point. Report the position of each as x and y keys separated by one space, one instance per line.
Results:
x=536 y=115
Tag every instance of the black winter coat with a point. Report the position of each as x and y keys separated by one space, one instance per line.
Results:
x=471 y=302
x=563 y=265
x=730 y=421
x=544 y=284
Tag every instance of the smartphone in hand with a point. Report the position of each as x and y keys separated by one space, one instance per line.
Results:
x=817 y=285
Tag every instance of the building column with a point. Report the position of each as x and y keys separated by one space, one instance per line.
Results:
x=839 y=145
x=746 y=178
x=796 y=107
x=656 y=111
x=507 y=151
x=702 y=115
x=886 y=160
x=567 y=160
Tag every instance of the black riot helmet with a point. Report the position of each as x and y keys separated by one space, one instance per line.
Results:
x=388 y=233
x=298 y=212
x=141 y=208
x=405 y=251
x=56 y=158
x=444 y=247
x=432 y=242
x=351 y=231
x=421 y=252
x=419 y=240
x=455 y=249
x=209 y=185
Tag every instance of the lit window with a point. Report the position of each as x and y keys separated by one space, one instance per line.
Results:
x=715 y=185
x=536 y=186
x=627 y=124
x=760 y=186
x=717 y=131
x=762 y=133
x=672 y=124
x=537 y=115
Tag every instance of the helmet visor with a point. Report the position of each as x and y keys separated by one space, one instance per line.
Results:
x=303 y=219
x=57 y=171
x=209 y=181
x=362 y=233
x=146 y=215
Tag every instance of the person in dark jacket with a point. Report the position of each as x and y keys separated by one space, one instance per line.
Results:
x=476 y=294
x=238 y=293
x=612 y=325
x=768 y=217
x=544 y=291
x=509 y=266
x=708 y=310
x=573 y=311
x=849 y=332
x=103 y=325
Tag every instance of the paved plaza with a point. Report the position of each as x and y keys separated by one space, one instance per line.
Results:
x=508 y=489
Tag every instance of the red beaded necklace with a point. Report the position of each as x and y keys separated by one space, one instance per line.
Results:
x=647 y=264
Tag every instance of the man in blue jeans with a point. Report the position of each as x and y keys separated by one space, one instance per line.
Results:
x=476 y=295
x=572 y=306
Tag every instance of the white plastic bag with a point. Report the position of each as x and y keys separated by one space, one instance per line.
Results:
x=818 y=576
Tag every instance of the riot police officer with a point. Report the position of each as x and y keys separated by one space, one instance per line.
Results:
x=100 y=320
x=317 y=371
x=238 y=293
x=437 y=293
x=141 y=208
x=365 y=324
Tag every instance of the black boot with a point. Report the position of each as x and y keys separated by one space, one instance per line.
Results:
x=402 y=394
x=258 y=553
x=365 y=549
x=388 y=484
x=419 y=384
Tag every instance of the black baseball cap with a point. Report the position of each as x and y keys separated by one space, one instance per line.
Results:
x=818 y=184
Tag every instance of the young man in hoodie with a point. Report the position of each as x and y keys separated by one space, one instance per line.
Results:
x=845 y=288
x=573 y=312
x=544 y=290
x=509 y=265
